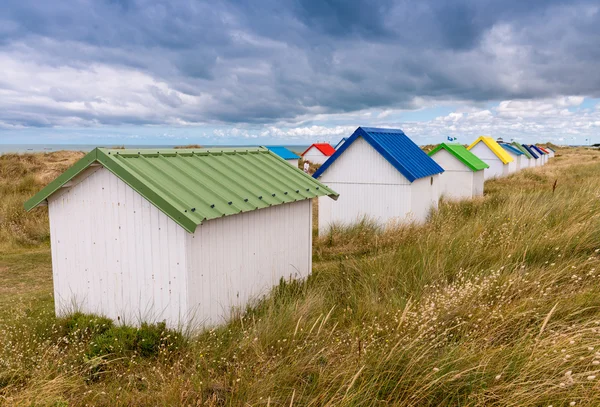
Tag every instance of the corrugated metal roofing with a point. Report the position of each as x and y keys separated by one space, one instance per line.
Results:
x=461 y=153
x=531 y=151
x=283 y=152
x=494 y=147
x=191 y=186
x=511 y=149
x=521 y=149
x=537 y=150
x=325 y=148
x=396 y=148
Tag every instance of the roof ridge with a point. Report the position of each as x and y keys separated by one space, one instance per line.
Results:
x=462 y=154
x=392 y=149
x=185 y=185
x=494 y=148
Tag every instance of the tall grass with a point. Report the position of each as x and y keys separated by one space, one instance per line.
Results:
x=492 y=302
x=21 y=176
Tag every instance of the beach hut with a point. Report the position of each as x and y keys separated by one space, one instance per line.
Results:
x=463 y=174
x=527 y=161
x=543 y=156
x=339 y=144
x=288 y=155
x=182 y=236
x=551 y=152
x=546 y=151
x=517 y=156
x=534 y=154
x=380 y=174
x=489 y=151
x=318 y=153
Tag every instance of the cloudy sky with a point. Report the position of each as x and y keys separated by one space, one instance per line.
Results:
x=297 y=71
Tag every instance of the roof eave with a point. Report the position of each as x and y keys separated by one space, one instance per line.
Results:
x=61 y=180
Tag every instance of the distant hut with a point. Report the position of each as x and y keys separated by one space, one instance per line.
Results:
x=463 y=174
x=534 y=153
x=527 y=161
x=517 y=156
x=318 y=153
x=176 y=235
x=286 y=154
x=543 y=156
x=551 y=152
x=546 y=151
x=340 y=143
x=381 y=174
x=489 y=151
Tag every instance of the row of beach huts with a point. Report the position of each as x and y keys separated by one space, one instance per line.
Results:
x=186 y=236
x=383 y=175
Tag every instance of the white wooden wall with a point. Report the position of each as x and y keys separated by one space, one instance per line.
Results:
x=370 y=186
x=425 y=195
x=315 y=156
x=293 y=163
x=114 y=253
x=457 y=180
x=497 y=167
x=517 y=164
x=478 y=182
x=235 y=259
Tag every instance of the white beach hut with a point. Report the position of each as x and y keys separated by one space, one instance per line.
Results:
x=340 y=143
x=517 y=156
x=543 y=156
x=489 y=151
x=318 y=153
x=288 y=155
x=463 y=175
x=176 y=235
x=527 y=161
x=380 y=174
x=537 y=161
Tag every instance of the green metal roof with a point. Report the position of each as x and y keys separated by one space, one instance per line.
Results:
x=461 y=153
x=191 y=186
x=521 y=149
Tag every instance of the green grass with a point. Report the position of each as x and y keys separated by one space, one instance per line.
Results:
x=492 y=302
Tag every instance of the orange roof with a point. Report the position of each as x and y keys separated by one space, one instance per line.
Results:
x=325 y=148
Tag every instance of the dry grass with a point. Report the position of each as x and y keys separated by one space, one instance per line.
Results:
x=189 y=146
x=493 y=302
x=22 y=175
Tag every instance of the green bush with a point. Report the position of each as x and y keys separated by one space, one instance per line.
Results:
x=149 y=340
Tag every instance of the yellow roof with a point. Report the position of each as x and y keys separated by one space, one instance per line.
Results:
x=495 y=147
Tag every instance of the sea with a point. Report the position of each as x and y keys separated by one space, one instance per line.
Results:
x=39 y=148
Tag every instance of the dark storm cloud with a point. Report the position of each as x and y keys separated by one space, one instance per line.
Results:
x=262 y=62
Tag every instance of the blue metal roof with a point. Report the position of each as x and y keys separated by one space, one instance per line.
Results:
x=283 y=152
x=537 y=150
x=531 y=151
x=511 y=149
x=396 y=148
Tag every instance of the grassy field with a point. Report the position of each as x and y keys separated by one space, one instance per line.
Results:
x=493 y=302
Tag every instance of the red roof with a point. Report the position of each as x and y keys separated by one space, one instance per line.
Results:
x=544 y=150
x=325 y=148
